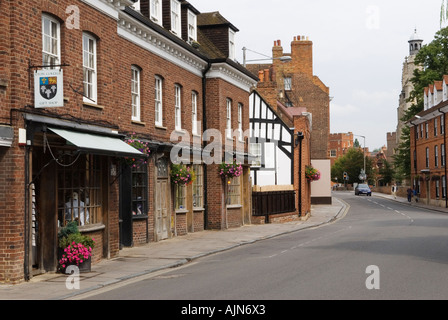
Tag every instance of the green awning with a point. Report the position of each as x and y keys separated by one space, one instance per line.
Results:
x=98 y=144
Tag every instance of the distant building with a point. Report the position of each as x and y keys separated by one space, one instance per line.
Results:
x=415 y=44
x=428 y=146
x=339 y=145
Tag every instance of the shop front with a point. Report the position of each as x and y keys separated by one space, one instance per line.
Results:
x=72 y=174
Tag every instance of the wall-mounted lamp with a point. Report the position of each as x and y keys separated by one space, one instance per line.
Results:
x=299 y=138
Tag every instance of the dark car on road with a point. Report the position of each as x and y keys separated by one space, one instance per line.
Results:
x=363 y=189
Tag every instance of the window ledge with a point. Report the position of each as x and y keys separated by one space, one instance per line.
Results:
x=138 y=122
x=160 y=127
x=139 y=216
x=181 y=211
x=198 y=209
x=92 y=105
x=91 y=227
x=234 y=206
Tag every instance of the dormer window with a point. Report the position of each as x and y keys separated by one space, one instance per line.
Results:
x=156 y=11
x=192 y=26
x=175 y=17
x=231 y=45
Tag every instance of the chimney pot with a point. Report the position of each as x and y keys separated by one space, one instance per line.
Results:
x=279 y=43
x=261 y=75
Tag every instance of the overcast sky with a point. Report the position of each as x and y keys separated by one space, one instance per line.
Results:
x=359 y=49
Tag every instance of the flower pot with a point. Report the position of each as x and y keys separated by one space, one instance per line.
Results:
x=84 y=267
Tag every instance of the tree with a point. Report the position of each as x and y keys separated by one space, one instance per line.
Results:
x=433 y=58
x=352 y=163
x=387 y=172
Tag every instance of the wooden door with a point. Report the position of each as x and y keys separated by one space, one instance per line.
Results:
x=162 y=209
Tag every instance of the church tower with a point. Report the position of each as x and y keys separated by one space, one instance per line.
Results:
x=415 y=44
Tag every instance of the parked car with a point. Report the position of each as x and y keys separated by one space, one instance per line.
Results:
x=363 y=189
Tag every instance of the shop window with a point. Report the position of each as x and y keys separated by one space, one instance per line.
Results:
x=179 y=197
x=234 y=191
x=140 y=190
x=79 y=190
x=198 y=186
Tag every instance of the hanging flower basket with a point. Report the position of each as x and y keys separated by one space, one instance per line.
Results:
x=230 y=170
x=141 y=146
x=182 y=175
x=312 y=174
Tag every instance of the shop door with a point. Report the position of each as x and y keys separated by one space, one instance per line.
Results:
x=162 y=216
x=125 y=219
x=162 y=211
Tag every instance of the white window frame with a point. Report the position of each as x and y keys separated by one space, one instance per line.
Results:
x=158 y=101
x=231 y=44
x=240 y=122
x=198 y=186
x=176 y=22
x=192 y=26
x=194 y=113
x=255 y=151
x=442 y=151
x=135 y=93
x=288 y=83
x=177 y=107
x=155 y=7
x=90 y=95
x=234 y=191
x=47 y=39
x=180 y=196
x=229 y=119
x=333 y=153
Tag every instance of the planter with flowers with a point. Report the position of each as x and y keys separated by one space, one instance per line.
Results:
x=75 y=248
x=312 y=174
x=141 y=146
x=230 y=170
x=181 y=174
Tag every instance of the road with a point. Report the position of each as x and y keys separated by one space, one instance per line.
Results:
x=382 y=250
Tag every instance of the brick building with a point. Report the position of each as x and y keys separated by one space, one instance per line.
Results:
x=294 y=84
x=339 y=143
x=159 y=71
x=291 y=83
x=428 y=146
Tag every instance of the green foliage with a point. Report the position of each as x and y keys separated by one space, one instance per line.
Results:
x=387 y=172
x=352 y=163
x=70 y=228
x=64 y=242
x=181 y=174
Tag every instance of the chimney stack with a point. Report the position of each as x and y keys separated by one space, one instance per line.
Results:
x=302 y=55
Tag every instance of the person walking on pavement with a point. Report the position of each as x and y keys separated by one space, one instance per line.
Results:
x=416 y=195
x=410 y=194
x=394 y=191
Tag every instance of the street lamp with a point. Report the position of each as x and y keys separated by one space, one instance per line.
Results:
x=282 y=59
x=364 y=152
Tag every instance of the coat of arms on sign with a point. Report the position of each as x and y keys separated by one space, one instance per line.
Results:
x=48 y=87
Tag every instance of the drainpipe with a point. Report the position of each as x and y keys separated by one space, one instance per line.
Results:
x=444 y=151
x=299 y=140
x=204 y=128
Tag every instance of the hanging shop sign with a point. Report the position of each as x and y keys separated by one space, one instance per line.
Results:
x=48 y=88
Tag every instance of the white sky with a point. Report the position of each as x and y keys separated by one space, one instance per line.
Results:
x=359 y=49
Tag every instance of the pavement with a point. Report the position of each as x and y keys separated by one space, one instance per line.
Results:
x=144 y=261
